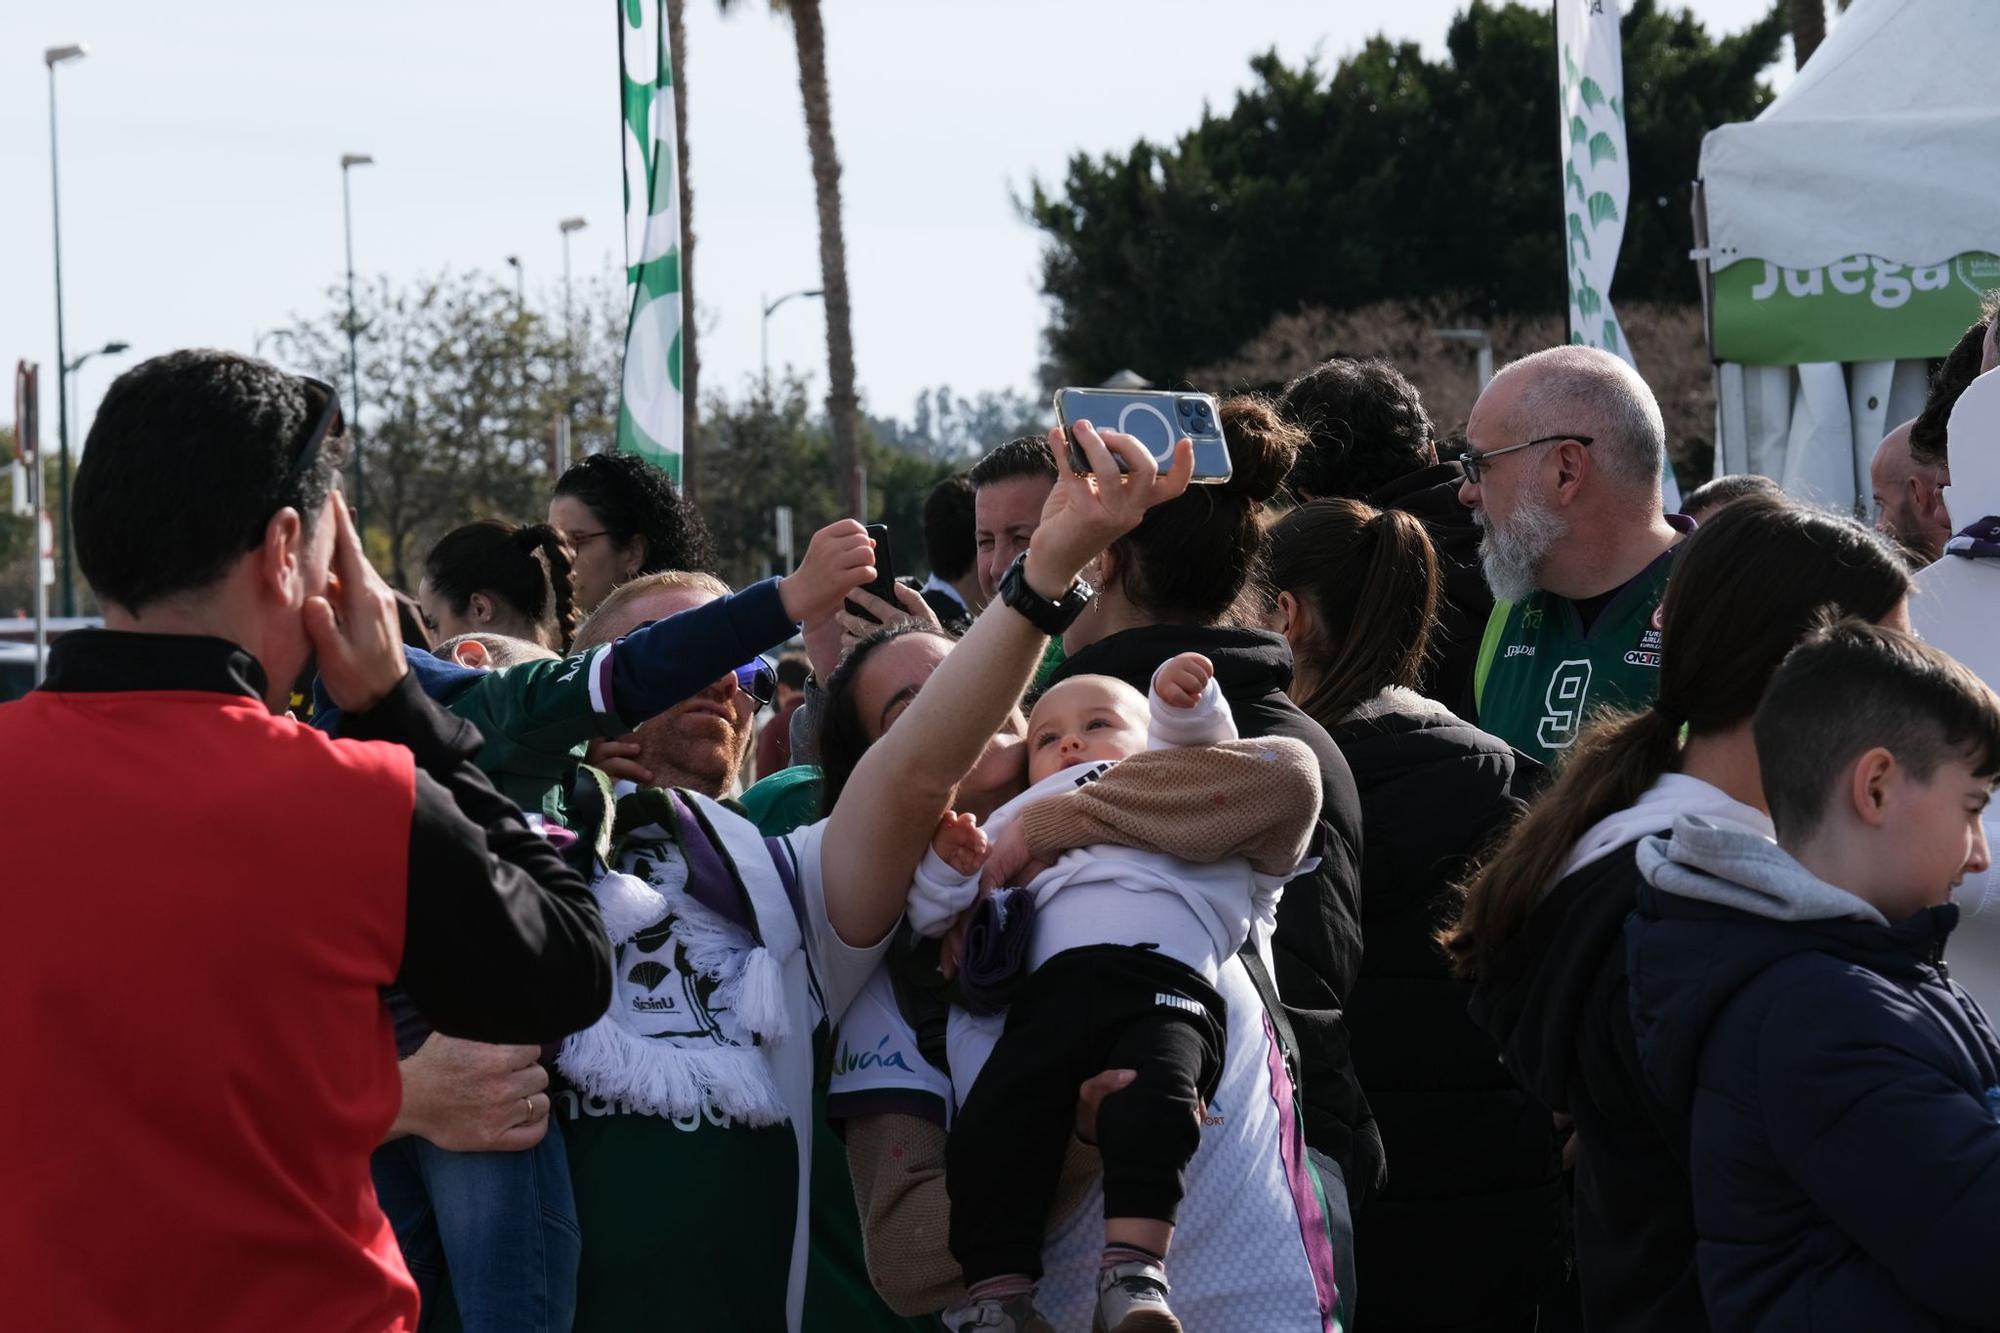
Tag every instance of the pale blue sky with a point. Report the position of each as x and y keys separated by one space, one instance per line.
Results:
x=201 y=145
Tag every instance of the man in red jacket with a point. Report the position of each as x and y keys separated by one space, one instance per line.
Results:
x=205 y=897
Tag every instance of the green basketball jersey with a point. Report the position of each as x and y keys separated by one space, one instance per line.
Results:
x=1540 y=673
x=536 y=718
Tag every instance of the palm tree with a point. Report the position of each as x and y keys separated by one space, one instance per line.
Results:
x=843 y=405
x=690 y=361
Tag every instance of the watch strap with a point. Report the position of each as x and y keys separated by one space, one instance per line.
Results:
x=1050 y=617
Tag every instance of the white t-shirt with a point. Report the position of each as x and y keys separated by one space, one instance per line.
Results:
x=1241 y=1256
x=841 y=968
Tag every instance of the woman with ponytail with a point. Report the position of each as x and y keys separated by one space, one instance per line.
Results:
x=1542 y=924
x=1475 y=1171
x=494 y=577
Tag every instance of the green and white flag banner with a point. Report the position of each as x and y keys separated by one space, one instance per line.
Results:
x=1862 y=308
x=1596 y=180
x=649 y=409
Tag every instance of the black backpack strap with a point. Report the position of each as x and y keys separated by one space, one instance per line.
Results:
x=1274 y=1008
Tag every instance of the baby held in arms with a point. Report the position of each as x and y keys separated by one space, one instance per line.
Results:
x=1130 y=930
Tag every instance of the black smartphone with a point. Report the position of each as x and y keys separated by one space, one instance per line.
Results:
x=884 y=585
x=1157 y=418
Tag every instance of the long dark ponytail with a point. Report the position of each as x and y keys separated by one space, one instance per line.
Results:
x=527 y=567
x=1745 y=589
x=1370 y=577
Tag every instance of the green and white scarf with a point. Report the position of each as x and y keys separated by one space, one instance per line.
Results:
x=698 y=998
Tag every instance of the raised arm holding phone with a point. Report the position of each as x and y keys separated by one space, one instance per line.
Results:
x=883 y=823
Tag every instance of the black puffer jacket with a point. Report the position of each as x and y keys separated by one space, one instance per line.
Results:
x=1465 y=603
x=1318 y=943
x=1557 y=1000
x=1478 y=1170
x=1841 y=1089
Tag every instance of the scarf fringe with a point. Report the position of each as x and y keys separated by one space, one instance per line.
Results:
x=628 y=904
x=760 y=997
x=750 y=981
x=656 y=1078
x=723 y=1071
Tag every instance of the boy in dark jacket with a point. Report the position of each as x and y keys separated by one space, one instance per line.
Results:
x=1843 y=1091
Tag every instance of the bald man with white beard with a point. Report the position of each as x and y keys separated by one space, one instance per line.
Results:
x=1565 y=454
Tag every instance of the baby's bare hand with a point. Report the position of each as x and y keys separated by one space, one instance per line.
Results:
x=1181 y=681
x=960 y=843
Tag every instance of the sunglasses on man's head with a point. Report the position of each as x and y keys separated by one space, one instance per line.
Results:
x=326 y=424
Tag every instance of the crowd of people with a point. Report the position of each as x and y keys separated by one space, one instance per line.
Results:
x=1415 y=884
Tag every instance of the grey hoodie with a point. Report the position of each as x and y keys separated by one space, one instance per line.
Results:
x=1839 y=1092
x=1714 y=863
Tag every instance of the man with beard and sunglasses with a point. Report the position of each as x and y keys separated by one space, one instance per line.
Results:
x=1565 y=451
x=206 y=898
x=697 y=745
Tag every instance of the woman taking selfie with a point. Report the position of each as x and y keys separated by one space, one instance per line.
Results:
x=1256 y=1248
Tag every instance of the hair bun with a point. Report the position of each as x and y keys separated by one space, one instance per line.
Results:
x=1262 y=447
x=531 y=535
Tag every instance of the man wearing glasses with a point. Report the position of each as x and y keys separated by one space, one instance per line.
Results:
x=1564 y=455
x=205 y=898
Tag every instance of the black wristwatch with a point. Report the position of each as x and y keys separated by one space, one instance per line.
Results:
x=1051 y=618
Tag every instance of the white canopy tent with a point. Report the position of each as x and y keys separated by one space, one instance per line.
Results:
x=1886 y=145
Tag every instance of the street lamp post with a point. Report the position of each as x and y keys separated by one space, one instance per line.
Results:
x=347 y=162
x=765 y=330
x=53 y=56
x=520 y=285
x=563 y=424
x=566 y=226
